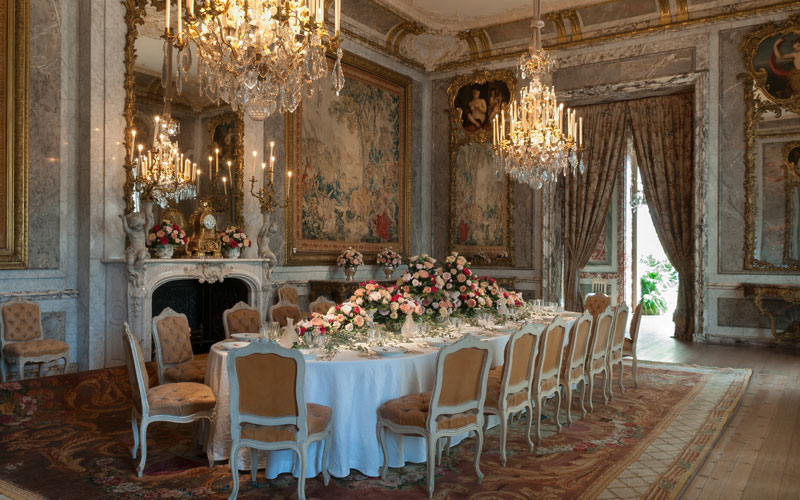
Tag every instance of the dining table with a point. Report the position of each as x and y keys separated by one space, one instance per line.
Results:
x=353 y=384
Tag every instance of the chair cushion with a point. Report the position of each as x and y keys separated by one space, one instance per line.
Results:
x=497 y=371
x=317 y=419
x=34 y=348
x=627 y=347
x=180 y=399
x=174 y=336
x=493 y=394
x=570 y=373
x=412 y=410
x=191 y=371
x=21 y=321
x=598 y=363
x=548 y=384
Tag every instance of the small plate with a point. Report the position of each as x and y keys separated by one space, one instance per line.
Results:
x=246 y=337
x=389 y=351
x=227 y=346
x=309 y=354
x=439 y=342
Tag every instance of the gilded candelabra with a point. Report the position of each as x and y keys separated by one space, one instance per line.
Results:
x=266 y=196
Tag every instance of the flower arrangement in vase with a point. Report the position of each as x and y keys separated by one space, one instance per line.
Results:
x=424 y=281
x=350 y=259
x=390 y=260
x=233 y=240
x=164 y=238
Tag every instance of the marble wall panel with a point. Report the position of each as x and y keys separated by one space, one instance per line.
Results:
x=44 y=139
x=742 y=313
x=731 y=152
x=54 y=325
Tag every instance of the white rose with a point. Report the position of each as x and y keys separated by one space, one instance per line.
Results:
x=346 y=309
x=349 y=327
x=374 y=296
x=393 y=315
x=415 y=282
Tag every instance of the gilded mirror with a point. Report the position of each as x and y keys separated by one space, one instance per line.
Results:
x=772 y=136
x=209 y=133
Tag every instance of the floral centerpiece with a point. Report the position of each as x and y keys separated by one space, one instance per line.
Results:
x=456 y=274
x=347 y=317
x=313 y=329
x=233 y=240
x=492 y=293
x=350 y=259
x=424 y=281
x=390 y=260
x=164 y=237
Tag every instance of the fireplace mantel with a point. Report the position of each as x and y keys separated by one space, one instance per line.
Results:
x=155 y=272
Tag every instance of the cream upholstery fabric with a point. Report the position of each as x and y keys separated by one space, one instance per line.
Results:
x=21 y=321
x=181 y=399
x=174 y=334
x=190 y=371
x=317 y=416
x=34 y=348
x=493 y=394
x=244 y=321
x=412 y=410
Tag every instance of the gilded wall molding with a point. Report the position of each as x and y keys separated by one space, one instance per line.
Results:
x=791 y=181
x=14 y=247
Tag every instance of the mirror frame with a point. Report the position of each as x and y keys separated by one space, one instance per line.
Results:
x=756 y=107
x=135 y=12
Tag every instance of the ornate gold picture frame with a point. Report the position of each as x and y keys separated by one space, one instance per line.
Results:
x=14 y=124
x=350 y=156
x=771 y=85
x=481 y=198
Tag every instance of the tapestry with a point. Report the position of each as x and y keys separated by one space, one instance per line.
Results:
x=350 y=155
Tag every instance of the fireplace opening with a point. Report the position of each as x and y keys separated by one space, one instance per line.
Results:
x=203 y=305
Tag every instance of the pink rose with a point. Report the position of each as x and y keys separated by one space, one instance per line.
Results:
x=404 y=308
x=359 y=321
x=471 y=303
x=461 y=278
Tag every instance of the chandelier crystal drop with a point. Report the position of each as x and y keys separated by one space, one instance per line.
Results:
x=261 y=56
x=535 y=137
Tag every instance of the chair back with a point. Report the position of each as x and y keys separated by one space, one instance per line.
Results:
x=21 y=321
x=321 y=305
x=551 y=353
x=598 y=344
x=288 y=295
x=241 y=318
x=462 y=370
x=172 y=340
x=520 y=359
x=137 y=371
x=618 y=332
x=279 y=402
x=596 y=303
x=635 y=321
x=280 y=314
x=578 y=345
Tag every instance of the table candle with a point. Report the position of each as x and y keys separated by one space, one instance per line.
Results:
x=225 y=186
x=216 y=161
x=254 y=163
x=230 y=175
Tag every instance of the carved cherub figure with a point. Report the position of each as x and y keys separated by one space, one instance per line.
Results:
x=135 y=254
x=268 y=230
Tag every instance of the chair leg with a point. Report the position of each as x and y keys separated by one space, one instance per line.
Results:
x=430 y=443
x=558 y=410
x=530 y=420
x=135 y=425
x=635 y=382
x=503 y=435
x=605 y=382
x=583 y=395
x=538 y=421
x=234 y=470
x=326 y=452
x=66 y=364
x=568 y=396
x=619 y=377
x=253 y=463
x=381 y=431
x=143 y=440
x=21 y=368
x=3 y=370
x=301 y=480
x=591 y=390
x=478 y=450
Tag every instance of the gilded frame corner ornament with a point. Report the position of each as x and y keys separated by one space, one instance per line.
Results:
x=756 y=106
x=292 y=158
x=459 y=136
x=14 y=251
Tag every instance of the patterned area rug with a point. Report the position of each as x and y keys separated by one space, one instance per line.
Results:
x=68 y=437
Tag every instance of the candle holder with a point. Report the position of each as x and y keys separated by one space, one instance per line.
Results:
x=266 y=196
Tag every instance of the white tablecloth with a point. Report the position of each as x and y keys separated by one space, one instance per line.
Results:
x=354 y=387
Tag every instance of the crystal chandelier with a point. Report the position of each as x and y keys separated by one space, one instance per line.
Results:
x=535 y=137
x=258 y=55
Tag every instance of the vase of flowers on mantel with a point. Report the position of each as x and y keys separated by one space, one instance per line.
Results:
x=233 y=240
x=350 y=259
x=390 y=260
x=164 y=237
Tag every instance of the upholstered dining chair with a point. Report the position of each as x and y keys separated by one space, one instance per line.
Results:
x=615 y=345
x=288 y=294
x=241 y=318
x=453 y=407
x=598 y=352
x=321 y=305
x=273 y=416
x=596 y=303
x=573 y=365
x=547 y=371
x=509 y=386
x=174 y=358
x=629 y=344
x=181 y=402
x=280 y=313
x=22 y=340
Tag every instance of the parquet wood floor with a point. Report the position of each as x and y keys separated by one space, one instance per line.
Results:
x=758 y=456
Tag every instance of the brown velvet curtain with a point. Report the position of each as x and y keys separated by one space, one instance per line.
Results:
x=663 y=134
x=588 y=195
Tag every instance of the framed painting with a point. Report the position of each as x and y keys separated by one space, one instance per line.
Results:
x=350 y=155
x=14 y=127
x=481 y=196
x=772 y=58
x=226 y=134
